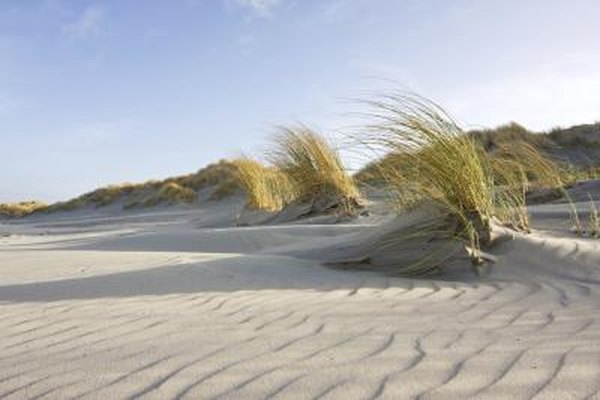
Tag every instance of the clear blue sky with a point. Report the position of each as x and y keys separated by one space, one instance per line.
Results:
x=94 y=92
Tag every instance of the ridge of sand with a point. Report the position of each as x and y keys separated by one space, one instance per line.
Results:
x=159 y=306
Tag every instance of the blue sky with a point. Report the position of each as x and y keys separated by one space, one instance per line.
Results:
x=97 y=92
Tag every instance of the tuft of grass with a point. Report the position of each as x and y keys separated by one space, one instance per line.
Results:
x=431 y=159
x=171 y=193
x=443 y=164
x=21 y=209
x=267 y=188
x=315 y=168
x=574 y=215
x=517 y=168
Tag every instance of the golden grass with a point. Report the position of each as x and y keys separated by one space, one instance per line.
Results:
x=516 y=168
x=180 y=189
x=431 y=159
x=171 y=193
x=267 y=188
x=211 y=175
x=314 y=167
x=21 y=209
x=448 y=167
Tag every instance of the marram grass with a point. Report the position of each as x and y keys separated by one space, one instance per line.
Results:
x=266 y=187
x=435 y=161
x=314 y=167
x=445 y=166
x=171 y=193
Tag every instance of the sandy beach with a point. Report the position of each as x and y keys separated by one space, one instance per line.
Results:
x=180 y=304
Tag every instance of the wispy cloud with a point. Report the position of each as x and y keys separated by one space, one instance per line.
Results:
x=86 y=25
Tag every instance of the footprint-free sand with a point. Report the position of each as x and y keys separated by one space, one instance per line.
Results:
x=175 y=304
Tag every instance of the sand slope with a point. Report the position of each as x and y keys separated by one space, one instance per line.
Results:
x=158 y=306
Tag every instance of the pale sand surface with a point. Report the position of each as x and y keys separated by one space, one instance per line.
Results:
x=169 y=305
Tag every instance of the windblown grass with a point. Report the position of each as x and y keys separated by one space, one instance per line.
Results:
x=21 y=209
x=315 y=169
x=447 y=167
x=267 y=188
x=435 y=161
x=517 y=168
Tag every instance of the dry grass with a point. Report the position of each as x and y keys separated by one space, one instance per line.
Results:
x=181 y=189
x=314 y=167
x=211 y=175
x=21 y=209
x=517 y=168
x=171 y=193
x=432 y=160
x=447 y=166
x=266 y=188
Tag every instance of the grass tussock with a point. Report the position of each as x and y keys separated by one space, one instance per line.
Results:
x=267 y=188
x=444 y=165
x=315 y=169
x=433 y=160
x=21 y=209
x=304 y=168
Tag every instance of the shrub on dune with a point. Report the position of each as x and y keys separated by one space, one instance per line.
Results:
x=315 y=169
x=266 y=188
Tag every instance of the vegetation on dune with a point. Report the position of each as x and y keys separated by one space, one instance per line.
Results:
x=267 y=188
x=315 y=169
x=448 y=166
x=492 y=139
x=431 y=159
x=21 y=209
x=209 y=176
x=171 y=193
x=517 y=168
x=304 y=168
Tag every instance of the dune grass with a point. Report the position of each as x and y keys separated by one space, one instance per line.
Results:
x=21 y=209
x=315 y=169
x=448 y=167
x=171 y=193
x=267 y=188
x=436 y=161
x=517 y=168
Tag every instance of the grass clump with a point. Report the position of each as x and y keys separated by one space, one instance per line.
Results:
x=267 y=188
x=444 y=165
x=432 y=160
x=315 y=169
x=21 y=209
x=171 y=193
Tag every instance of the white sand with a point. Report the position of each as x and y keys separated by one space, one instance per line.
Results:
x=160 y=306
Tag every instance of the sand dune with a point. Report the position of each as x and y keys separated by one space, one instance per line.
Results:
x=175 y=305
